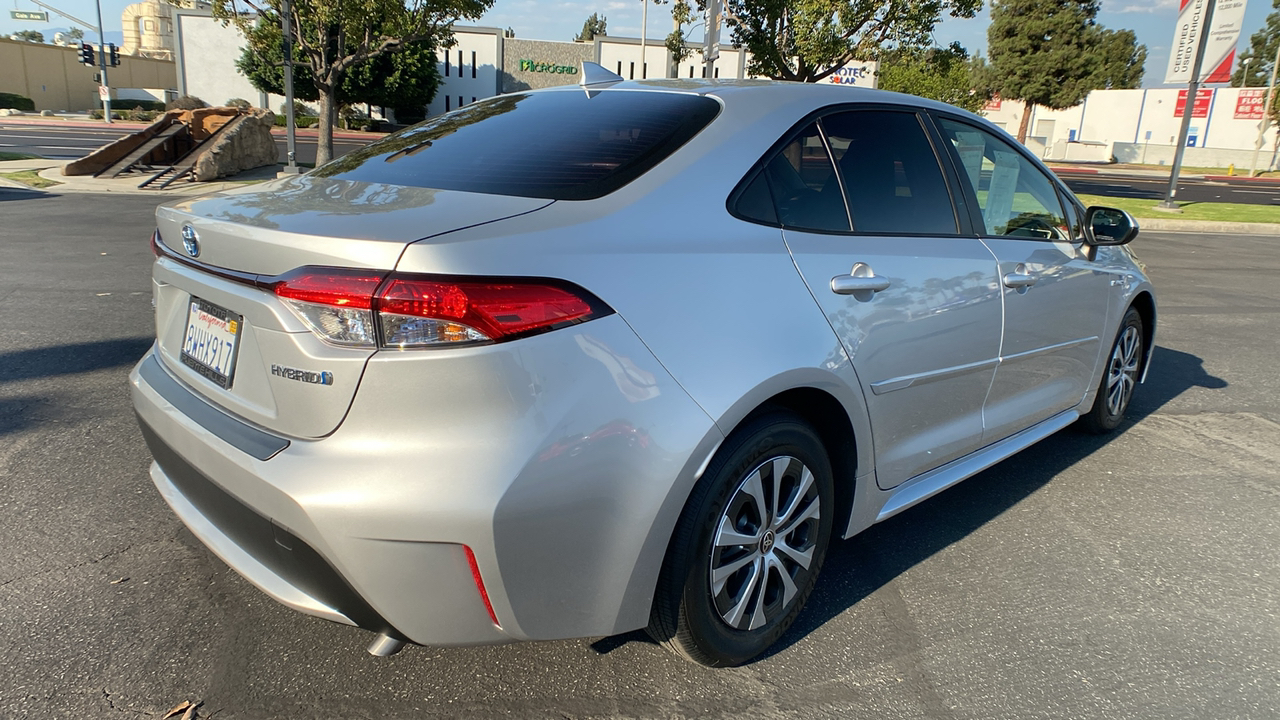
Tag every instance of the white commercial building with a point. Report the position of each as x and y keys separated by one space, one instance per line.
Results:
x=1142 y=126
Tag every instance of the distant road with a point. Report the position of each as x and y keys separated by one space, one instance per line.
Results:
x=69 y=141
x=1238 y=190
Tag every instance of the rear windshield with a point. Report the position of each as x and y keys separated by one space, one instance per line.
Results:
x=558 y=145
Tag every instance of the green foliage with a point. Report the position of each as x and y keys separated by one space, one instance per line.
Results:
x=186 y=102
x=1041 y=51
x=97 y=115
x=591 y=27
x=17 y=102
x=807 y=40
x=75 y=33
x=240 y=103
x=331 y=37
x=34 y=36
x=944 y=74
x=406 y=80
x=1261 y=54
x=139 y=114
x=1121 y=60
x=153 y=105
x=682 y=14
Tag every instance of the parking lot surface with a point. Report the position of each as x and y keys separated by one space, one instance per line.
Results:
x=1128 y=576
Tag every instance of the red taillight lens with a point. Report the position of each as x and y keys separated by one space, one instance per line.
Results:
x=471 y=311
x=416 y=311
x=330 y=286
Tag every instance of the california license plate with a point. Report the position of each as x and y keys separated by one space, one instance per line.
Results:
x=212 y=339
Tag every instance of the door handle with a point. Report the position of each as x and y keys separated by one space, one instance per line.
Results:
x=861 y=282
x=1019 y=279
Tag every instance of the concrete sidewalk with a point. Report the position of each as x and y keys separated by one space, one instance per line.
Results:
x=128 y=184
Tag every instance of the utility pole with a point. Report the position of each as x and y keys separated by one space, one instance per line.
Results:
x=104 y=88
x=1266 y=115
x=644 y=30
x=711 y=43
x=291 y=164
x=1193 y=92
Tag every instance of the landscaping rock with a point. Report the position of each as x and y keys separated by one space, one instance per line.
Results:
x=245 y=144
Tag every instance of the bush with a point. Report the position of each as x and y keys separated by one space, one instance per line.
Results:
x=299 y=109
x=138 y=114
x=240 y=103
x=152 y=105
x=186 y=102
x=95 y=114
x=17 y=102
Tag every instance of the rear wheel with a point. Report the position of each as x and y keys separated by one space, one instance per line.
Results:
x=749 y=545
x=1120 y=379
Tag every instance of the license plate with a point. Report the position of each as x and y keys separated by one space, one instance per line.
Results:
x=212 y=339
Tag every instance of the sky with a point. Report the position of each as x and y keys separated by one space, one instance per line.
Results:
x=1151 y=20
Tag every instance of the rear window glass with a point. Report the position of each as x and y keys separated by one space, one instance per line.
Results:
x=557 y=145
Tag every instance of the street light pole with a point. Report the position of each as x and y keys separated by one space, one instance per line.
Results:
x=1193 y=92
x=291 y=164
x=104 y=88
x=1266 y=115
x=644 y=30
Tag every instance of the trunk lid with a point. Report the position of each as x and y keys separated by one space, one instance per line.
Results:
x=277 y=373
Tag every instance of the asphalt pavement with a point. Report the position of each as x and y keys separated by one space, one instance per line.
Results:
x=1131 y=576
x=1151 y=187
x=71 y=140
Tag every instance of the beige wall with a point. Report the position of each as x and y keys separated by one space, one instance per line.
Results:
x=53 y=77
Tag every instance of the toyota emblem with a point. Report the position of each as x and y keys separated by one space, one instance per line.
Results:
x=190 y=241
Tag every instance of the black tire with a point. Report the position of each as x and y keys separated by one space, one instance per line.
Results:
x=692 y=614
x=1123 y=368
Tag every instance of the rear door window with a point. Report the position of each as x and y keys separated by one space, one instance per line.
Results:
x=804 y=185
x=891 y=174
x=560 y=145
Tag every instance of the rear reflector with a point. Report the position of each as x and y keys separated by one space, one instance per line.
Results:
x=484 y=594
x=419 y=311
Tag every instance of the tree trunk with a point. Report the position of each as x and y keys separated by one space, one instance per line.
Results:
x=328 y=116
x=1026 y=122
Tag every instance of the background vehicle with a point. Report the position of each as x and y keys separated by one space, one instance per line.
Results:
x=459 y=387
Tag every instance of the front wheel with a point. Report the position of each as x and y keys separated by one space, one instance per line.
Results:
x=748 y=547
x=1120 y=379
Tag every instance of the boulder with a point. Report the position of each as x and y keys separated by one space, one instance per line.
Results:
x=244 y=143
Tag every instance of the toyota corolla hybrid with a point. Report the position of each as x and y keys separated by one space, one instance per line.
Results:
x=583 y=360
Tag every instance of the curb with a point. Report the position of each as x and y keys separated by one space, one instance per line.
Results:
x=1241 y=178
x=1208 y=226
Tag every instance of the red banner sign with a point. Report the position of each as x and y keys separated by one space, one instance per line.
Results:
x=1251 y=104
x=994 y=104
x=1201 y=108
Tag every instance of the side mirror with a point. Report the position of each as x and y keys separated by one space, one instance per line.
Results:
x=1109 y=226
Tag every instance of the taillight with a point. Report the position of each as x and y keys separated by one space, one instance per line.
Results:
x=155 y=244
x=416 y=311
x=422 y=312
x=336 y=304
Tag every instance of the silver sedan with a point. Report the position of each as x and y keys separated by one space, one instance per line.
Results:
x=584 y=360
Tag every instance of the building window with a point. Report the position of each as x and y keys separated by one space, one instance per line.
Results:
x=619 y=68
x=644 y=71
x=717 y=72
x=446 y=103
x=633 y=72
x=473 y=67
x=690 y=71
x=704 y=72
x=460 y=103
x=473 y=98
x=446 y=63
x=459 y=66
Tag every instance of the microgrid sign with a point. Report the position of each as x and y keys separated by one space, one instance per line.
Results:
x=1219 y=52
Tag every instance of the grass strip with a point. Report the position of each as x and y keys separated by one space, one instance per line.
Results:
x=30 y=178
x=17 y=156
x=1228 y=212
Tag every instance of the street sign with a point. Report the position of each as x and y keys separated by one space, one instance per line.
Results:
x=104 y=92
x=35 y=15
x=1219 y=54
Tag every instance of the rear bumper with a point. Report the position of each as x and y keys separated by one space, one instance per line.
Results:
x=562 y=461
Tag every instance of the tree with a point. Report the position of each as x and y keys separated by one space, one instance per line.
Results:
x=75 y=33
x=34 y=36
x=332 y=36
x=1042 y=52
x=404 y=81
x=944 y=74
x=1122 y=61
x=807 y=40
x=591 y=27
x=1261 y=54
x=681 y=15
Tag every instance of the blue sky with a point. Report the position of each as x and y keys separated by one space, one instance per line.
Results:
x=1151 y=20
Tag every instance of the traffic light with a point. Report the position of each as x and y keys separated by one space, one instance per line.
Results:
x=87 y=55
x=115 y=54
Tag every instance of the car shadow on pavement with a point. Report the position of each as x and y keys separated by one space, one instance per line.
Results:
x=23 y=194
x=56 y=360
x=861 y=565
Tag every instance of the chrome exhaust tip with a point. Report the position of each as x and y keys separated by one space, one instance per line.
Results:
x=385 y=646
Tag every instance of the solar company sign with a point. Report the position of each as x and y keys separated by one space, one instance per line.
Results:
x=859 y=74
x=541 y=67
